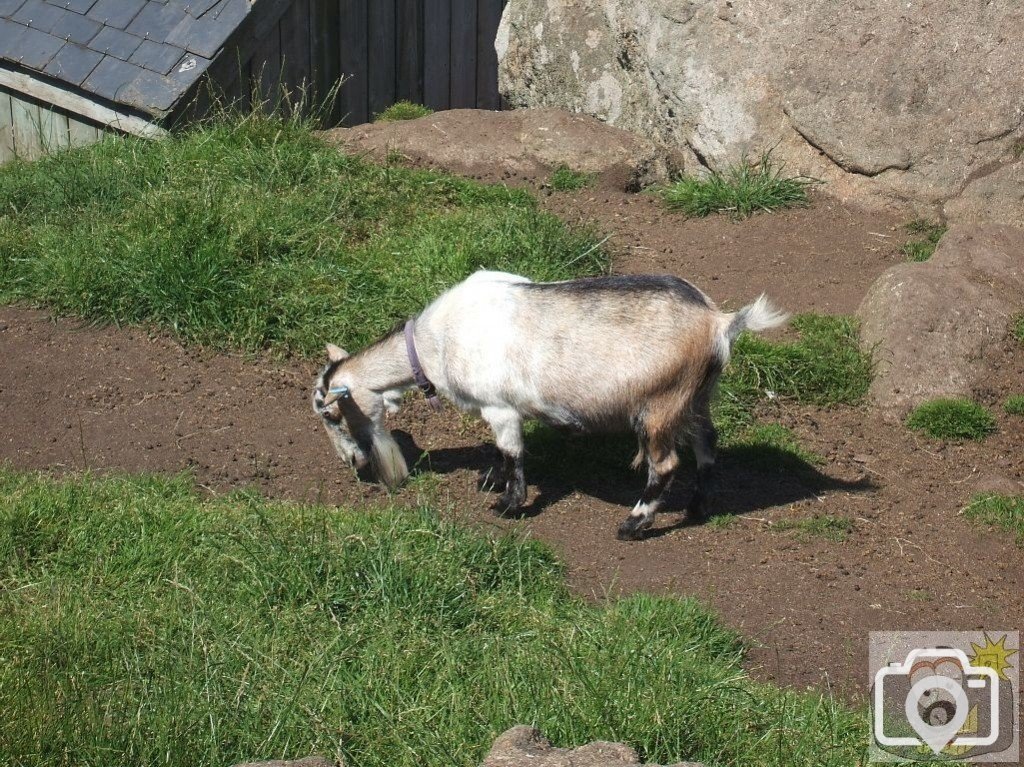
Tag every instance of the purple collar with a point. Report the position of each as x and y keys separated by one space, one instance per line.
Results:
x=422 y=382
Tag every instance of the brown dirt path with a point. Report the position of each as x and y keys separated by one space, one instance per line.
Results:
x=74 y=397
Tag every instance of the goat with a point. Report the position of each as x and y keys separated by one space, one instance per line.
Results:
x=603 y=354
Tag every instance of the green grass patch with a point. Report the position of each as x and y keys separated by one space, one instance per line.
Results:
x=565 y=179
x=952 y=419
x=1005 y=512
x=723 y=521
x=740 y=191
x=402 y=110
x=254 y=235
x=1014 y=405
x=1017 y=327
x=826 y=526
x=923 y=245
x=142 y=624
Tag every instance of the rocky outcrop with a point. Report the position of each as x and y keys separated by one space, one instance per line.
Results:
x=526 y=747
x=527 y=143
x=889 y=101
x=929 y=325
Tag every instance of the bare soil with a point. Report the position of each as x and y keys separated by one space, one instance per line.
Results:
x=76 y=397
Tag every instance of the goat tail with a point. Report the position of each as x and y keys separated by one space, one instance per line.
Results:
x=755 y=317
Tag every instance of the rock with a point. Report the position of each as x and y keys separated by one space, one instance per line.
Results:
x=525 y=747
x=523 y=143
x=996 y=196
x=929 y=325
x=885 y=101
x=309 y=761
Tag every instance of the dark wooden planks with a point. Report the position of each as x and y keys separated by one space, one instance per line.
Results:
x=296 y=64
x=409 y=76
x=325 y=61
x=464 y=54
x=353 y=46
x=437 y=51
x=488 y=18
x=383 y=55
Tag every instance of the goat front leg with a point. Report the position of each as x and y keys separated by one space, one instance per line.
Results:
x=508 y=436
x=662 y=462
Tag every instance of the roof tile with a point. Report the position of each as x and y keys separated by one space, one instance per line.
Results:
x=73 y=63
x=78 y=6
x=38 y=15
x=156 y=20
x=114 y=42
x=157 y=57
x=32 y=48
x=76 y=28
x=8 y=7
x=110 y=77
x=116 y=13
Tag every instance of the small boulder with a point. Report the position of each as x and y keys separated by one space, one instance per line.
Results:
x=525 y=747
x=525 y=143
x=930 y=325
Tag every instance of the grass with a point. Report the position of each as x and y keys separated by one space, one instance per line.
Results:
x=826 y=526
x=142 y=624
x=1014 y=405
x=402 y=110
x=255 y=235
x=951 y=419
x=1017 y=327
x=564 y=179
x=741 y=191
x=1003 y=511
x=923 y=246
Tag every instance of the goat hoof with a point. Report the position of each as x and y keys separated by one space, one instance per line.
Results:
x=506 y=507
x=633 y=528
x=698 y=510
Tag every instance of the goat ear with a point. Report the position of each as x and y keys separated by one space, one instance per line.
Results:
x=336 y=353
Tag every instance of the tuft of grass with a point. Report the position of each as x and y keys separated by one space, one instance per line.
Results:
x=253 y=234
x=952 y=419
x=564 y=179
x=922 y=247
x=824 y=366
x=1017 y=327
x=741 y=191
x=827 y=526
x=402 y=110
x=1003 y=511
x=1014 y=405
x=143 y=624
x=722 y=521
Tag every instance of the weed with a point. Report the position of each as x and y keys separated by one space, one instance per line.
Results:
x=827 y=526
x=1003 y=511
x=1014 y=405
x=1017 y=327
x=564 y=179
x=922 y=247
x=740 y=191
x=952 y=419
x=402 y=110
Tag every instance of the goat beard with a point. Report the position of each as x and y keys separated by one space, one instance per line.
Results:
x=387 y=459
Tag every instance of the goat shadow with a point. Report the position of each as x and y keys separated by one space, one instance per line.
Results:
x=750 y=478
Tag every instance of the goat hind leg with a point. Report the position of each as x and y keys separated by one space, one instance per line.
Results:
x=662 y=461
x=704 y=440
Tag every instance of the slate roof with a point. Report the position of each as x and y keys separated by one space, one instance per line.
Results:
x=143 y=54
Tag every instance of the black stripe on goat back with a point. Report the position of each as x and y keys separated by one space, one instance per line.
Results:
x=626 y=283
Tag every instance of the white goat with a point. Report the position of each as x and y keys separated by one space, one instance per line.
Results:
x=606 y=354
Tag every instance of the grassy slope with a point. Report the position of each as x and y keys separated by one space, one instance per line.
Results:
x=255 y=234
x=140 y=624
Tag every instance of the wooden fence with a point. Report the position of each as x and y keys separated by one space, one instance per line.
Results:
x=434 y=52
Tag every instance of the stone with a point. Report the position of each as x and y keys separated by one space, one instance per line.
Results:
x=930 y=325
x=887 y=102
x=524 y=143
x=524 y=746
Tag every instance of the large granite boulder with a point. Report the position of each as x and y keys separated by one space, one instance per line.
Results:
x=930 y=325
x=891 y=101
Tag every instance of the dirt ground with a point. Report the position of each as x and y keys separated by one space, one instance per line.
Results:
x=74 y=397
